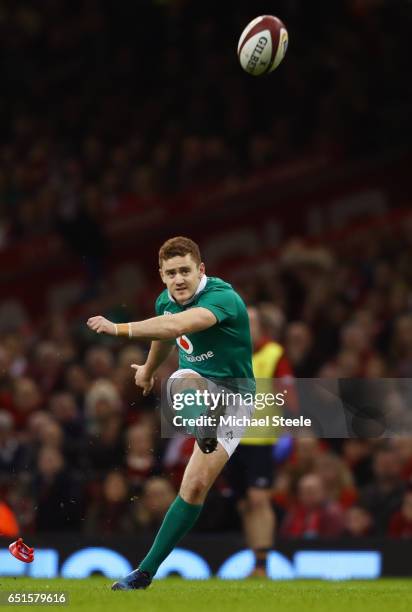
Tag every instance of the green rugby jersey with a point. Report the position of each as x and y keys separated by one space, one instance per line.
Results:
x=223 y=351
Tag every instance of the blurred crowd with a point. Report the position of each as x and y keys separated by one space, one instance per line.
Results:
x=100 y=119
x=108 y=108
x=80 y=448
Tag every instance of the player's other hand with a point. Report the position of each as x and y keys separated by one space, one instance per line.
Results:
x=102 y=325
x=143 y=378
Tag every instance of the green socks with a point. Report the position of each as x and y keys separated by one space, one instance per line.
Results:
x=179 y=519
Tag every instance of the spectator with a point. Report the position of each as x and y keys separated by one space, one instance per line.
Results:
x=102 y=401
x=299 y=348
x=57 y=494
x=150 y=508
x=64 y=409
x=400 y=524
x=358 y=457
x=383 y=496
x=313 y=516
x=358 y=522
x=26 y=399
x=52 y=435
x=140 y=459
x=110 y=513
x=303 y=458
x=105 y=424
x=77 y=382
x=99 y=362
x=47 y=367
x=11 y=451
x=336 y=478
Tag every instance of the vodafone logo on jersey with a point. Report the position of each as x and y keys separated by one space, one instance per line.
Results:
x=184 y=343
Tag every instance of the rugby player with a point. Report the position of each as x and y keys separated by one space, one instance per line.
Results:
x=209 y=322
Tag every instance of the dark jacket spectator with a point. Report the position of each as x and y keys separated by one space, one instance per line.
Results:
x=57 y=494
x=384 y=495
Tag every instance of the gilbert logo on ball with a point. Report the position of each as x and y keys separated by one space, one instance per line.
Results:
x=263 y=45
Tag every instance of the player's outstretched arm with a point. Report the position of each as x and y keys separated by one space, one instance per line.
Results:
x=102 y=326
x=164 y=327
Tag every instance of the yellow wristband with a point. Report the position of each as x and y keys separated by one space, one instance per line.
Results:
x=122 y=329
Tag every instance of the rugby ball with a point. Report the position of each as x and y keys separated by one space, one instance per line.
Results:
x=263 y=45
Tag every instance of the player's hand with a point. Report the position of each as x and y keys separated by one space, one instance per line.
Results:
x=101 y=325
x=142 y=378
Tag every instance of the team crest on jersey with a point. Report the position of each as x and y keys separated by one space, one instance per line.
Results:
x=184 y=343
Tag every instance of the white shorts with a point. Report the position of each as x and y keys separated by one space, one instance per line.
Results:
x=225 y=434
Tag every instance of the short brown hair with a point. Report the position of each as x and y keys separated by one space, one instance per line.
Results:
x=179 y=247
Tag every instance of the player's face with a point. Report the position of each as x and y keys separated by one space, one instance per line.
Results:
x=181 y=275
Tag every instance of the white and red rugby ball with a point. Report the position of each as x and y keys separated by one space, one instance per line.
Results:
x=263 y=45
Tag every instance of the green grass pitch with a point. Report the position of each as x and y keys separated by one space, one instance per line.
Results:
x=176 y=595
